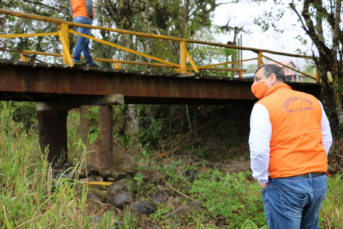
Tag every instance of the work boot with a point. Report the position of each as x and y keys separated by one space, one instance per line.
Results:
x=78 y=63
x=93 y=65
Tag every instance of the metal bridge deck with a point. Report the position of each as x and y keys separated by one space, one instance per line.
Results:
x=25 y=81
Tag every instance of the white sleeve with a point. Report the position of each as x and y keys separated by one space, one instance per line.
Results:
x=326 y=131
x=259 y=142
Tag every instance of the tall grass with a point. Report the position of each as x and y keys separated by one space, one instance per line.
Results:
x=331 y=215
x=30 y=198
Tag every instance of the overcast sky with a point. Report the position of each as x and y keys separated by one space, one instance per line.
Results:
x=242 y=14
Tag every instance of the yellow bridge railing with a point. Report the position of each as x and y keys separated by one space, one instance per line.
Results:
x=182 y=67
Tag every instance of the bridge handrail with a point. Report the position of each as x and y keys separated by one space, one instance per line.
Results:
x=184 y=55
x=60 y=21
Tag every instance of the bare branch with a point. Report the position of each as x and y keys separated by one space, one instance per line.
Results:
x=323 y=13
x=42 y=4
x=336 y=30
x=300 y=19
x=323 y=50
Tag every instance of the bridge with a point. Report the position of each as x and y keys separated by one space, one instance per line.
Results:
x=61 y=86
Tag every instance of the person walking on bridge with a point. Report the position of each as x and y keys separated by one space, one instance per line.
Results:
x=289 y=141
x=82 y=11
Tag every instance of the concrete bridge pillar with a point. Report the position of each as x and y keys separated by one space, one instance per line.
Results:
x=96 y=130
x=52 y=128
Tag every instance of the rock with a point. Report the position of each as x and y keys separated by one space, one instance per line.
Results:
x=93 y=196
x=88 y=171
x=110 y=174
x=194 y=204
x=191 y=174
x=67 y=165
x=86 y=180
x=126 y=184
x=129 y=183
x=159 y=197
x=177 y=201
x=98 y=178
x=114 y=188
x=58 y=170
x=179 y=211
x=120 y=199
x=97 y=195
x=144 y=207
x=151 y=225
x=125 y=161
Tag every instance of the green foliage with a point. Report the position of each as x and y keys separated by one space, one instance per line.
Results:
x=231 y=196
x=248 y=224
x=93 y=114
x=30 y=198
x=251 y=68
x=331 y=214
x=93 y=134
x=23 y=113
x=149 y=136
x=129 y=220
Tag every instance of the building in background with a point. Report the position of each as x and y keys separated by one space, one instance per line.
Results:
x=287 y=67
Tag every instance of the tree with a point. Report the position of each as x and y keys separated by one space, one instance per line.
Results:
x=251 y=68
x=320 y=19
x=11 y=24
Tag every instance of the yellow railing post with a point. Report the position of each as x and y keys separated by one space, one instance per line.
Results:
x=63 y=32
x=192 y=63
x=240 y=74
x=117 y=66
x=317 y=76
x=259 y=59
x=183 y=57
x=23 y=56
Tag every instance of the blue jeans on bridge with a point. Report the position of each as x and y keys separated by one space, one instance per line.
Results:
x=82 y=42
x=294 y=202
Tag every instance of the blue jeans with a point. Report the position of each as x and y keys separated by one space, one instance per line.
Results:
x=293 y=202
x=82 y=42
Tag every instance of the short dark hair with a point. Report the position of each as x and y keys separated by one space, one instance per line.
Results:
x=272 y=68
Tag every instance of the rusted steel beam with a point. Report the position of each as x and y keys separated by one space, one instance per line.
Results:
x=99 y=100
x=44 y=82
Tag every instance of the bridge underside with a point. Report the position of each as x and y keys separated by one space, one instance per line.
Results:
x=62 y=88
x=23 y=81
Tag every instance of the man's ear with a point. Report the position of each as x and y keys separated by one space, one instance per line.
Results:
x=273 y=78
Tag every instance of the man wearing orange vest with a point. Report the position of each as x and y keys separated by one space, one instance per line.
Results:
x=289 y=140
x=83 y=12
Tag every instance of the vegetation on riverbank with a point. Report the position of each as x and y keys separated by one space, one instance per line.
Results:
x=30 y=198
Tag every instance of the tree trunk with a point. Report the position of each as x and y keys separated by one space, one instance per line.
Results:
x=336 y=90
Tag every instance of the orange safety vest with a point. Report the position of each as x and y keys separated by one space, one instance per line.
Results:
x=296 y=142
x=79 y=8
